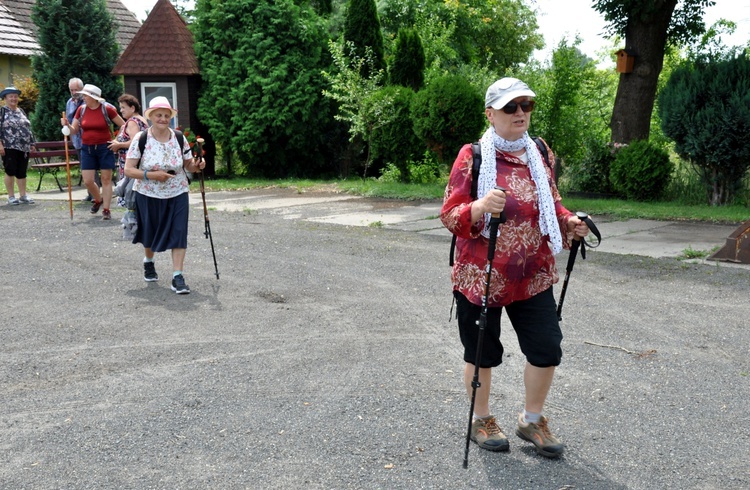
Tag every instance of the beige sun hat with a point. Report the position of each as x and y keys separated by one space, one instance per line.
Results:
x=92 y=91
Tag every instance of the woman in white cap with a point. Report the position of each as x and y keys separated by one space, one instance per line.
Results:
x=94 y=118
x=16 y=140
x=161 y=187
x=523 y=269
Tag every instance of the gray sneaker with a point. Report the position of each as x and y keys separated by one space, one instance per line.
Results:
x=488 y=435
x=179 y=286
x=26 y=200
x=539 y=434
x=13 y=201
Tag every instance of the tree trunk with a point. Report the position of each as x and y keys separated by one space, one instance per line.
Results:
x=645 y=38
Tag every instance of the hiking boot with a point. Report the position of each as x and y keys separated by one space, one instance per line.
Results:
x=539 y=434
x=106 y=214
x=488 y=435
x=179 y=286
x=26 y=200
x=95 y=207
x=149 y=272
x=13 y=201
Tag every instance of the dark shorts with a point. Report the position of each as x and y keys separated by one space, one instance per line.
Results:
x=162 y=223
x=16 y=162
x=534 y=320
x=97 y=157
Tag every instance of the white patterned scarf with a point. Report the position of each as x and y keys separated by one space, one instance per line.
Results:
x=488 y=180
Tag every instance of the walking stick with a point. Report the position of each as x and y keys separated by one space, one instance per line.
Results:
x=577 y=242
x=495 y=221
x=207 y=232
x=66 y=132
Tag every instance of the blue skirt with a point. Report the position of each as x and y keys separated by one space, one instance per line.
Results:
x=162 y=223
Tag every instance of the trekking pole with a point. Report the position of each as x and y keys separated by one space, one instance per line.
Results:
x=207 y=232
x=66 y=132
x=577 y=242
x=495 y=221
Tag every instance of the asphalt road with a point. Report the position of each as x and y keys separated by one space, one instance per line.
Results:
x=323 y=358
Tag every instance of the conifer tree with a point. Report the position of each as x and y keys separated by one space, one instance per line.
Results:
x=362 y=27
x=77 y=39
x=261 y=63
x=407 y=68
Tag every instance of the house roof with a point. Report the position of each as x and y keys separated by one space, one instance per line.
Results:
x=15 y=39
x=162 y=46
x=126 y=21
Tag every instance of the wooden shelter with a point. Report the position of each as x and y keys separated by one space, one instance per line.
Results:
x=161 y=61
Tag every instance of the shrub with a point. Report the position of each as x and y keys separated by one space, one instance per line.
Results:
x=29 y=92
x=424 y=171
x=591 y=174
x=447 y=114
x=641 y=171
x=705 y=109
x=394 y=141
x=407 y=67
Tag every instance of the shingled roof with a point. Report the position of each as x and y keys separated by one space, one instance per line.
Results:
x=162 y=46
x=15 y=39
x=126 y=21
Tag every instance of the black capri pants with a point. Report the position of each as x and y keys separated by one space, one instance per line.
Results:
x=16 y=162
x=534 y=320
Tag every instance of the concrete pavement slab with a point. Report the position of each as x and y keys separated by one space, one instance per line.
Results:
x=648 y=238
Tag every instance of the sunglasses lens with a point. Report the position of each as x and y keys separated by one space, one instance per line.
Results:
x=512 y=107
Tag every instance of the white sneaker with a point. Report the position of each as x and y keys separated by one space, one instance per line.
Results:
x=13 y=201
x=26 y=200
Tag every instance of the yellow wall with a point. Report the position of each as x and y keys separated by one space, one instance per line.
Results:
x=13 y=65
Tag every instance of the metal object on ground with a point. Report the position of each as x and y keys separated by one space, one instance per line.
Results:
x=737 y=247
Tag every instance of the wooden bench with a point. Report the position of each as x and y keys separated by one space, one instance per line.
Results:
x=49 y=158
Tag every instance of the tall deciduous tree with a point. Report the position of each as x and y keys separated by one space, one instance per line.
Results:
x=77 y=38
x=573 y=100
x=362 y=28
x=495 y=34
x=261 y=62
x=648 y=26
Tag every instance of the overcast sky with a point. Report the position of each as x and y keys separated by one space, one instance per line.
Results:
x=560 y=19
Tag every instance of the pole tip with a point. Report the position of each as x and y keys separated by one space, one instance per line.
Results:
x=200 y=140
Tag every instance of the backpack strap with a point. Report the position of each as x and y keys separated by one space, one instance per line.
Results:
x=105 y=104
x=542 y=149
x=476 y=152
x=142 y=146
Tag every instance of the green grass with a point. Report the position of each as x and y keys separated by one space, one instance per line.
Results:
x=613 y=208
x=621 y=209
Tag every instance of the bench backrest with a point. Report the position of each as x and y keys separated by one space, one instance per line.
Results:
x=46 y=149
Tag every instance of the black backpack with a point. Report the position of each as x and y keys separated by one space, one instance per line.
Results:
x=476 y=150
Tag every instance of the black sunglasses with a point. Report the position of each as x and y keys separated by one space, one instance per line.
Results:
x=512 y=107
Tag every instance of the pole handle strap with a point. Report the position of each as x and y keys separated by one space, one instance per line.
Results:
x=592 y=227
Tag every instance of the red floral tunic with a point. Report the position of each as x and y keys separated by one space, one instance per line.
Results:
x=523 y=265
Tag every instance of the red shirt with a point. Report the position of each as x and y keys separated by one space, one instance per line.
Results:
x=523 y=265
x=95 y=130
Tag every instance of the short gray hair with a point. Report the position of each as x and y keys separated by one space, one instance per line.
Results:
x=77 y=81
